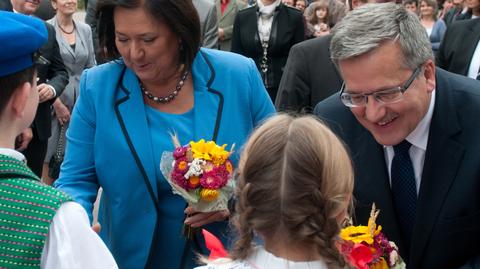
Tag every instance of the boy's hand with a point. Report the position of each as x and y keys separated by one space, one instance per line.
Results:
x=24 y=139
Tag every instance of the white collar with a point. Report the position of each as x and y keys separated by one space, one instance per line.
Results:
x=419 y=136
x=261 y=258
x=267 y=10
x=13 y=154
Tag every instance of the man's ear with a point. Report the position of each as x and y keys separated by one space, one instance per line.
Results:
x=19 y=99
x=430 y=75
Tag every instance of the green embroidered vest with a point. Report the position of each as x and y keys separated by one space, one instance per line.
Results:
x=27 y=208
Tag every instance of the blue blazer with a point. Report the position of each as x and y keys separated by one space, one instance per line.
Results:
x=109 y=142
x=445 y=233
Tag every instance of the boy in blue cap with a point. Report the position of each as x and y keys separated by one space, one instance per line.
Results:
x=40 y=227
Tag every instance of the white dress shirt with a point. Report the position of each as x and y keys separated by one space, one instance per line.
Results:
x=71 y=243
x=419 y=140
x=473 y=70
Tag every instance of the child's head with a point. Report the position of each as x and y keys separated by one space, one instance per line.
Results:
x=411 y=5
x=20 y=37
x=320 y=12
x=295 y=186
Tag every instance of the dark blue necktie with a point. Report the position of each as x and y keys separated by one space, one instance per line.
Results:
x=404 y=189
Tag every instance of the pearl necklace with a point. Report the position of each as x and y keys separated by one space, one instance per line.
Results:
x=167 y=98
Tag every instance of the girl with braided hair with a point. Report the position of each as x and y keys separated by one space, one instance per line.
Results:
x=294 y=189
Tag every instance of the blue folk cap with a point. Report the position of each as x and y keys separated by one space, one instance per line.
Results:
x=20 y=37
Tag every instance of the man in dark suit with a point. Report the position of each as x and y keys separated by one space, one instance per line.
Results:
x=457 y=50
x=412 y=134
x=52 y=79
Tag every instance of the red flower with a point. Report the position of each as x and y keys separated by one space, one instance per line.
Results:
x=360 y=256
x=179 y=152
x=179 y=179
x=211 y=180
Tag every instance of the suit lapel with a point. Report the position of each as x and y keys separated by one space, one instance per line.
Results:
x=130 y=112
x=442 y=161
x=62 y=43
x=470 y=37
x=372 y=182
x=208 y=108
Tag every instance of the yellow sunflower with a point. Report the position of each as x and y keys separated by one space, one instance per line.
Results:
x=202 y=149
x=359 y=234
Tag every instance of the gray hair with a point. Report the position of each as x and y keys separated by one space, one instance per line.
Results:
x=369 y=26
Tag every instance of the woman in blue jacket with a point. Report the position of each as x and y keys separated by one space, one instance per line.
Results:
x=159 y=82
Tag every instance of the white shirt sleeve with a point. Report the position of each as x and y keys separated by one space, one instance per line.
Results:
x=72 y=244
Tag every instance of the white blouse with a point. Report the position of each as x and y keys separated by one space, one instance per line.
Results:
x=262 y=259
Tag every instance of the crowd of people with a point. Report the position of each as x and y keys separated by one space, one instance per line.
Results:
x=332 y=106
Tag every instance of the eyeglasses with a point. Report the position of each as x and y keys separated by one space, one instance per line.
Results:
x=387 y=96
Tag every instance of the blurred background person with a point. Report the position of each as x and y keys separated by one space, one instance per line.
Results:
x=336 y=10
x=266 y=33
x=290 y=3
x=446 y=6
x=411 y=5
x=473 y=9
x=158 y=82
x=435 y=27
x=226 y=12
x=319 y=18
x=457 y=12
x=76 y=49
x=208 y=22
x=301 y=5
x=460 y=50
x=52 y=79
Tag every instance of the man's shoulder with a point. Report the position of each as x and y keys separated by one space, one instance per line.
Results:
x=292 y=10
x=248 y=10
x=462 y=25
x=457 y=84
x=331 y=104
x=314 y=44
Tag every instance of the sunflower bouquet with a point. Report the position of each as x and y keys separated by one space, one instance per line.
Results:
x=202 y=173
x=366 y=247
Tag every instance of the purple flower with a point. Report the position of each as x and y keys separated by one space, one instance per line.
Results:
x=179 y=152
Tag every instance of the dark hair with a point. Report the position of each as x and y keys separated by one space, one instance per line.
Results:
x=179 y=15
x=9 y=83
x=405 y=2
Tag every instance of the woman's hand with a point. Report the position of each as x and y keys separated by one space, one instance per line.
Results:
x=62 y=112
x=198 y=219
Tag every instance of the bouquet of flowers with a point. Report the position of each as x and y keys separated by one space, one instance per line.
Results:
x=202 y=173
x=366 y=247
